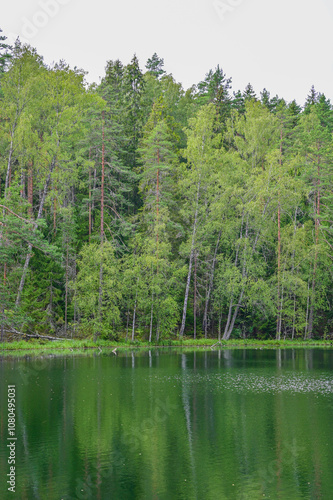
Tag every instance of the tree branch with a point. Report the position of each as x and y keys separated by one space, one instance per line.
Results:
x=16 y=215
x=35 y=336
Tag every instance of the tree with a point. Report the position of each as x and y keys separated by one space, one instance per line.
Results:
x=200 y=153
x=311 y=99
x=215 y=89
x=315 y=147
x=133 y=114
x=99 y=315
x=156 y=186
x=5 y=55
x=155 y=65
x=249 y=93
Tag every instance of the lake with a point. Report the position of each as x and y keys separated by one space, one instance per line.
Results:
x=170 y=424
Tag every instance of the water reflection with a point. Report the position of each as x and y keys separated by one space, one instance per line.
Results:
x=224 y=424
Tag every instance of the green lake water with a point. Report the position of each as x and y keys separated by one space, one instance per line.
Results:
x=171 y=424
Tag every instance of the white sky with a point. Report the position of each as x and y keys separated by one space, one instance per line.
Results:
x=283 y=45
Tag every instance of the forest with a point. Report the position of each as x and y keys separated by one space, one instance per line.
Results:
x=135 y=209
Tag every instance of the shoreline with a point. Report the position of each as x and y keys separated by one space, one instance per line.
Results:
x=67 y=346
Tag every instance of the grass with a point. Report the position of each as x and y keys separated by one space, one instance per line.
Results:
x=35 y=346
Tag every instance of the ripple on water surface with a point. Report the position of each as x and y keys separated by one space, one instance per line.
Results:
x=252 y=382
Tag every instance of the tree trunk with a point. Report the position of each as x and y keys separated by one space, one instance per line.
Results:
x=210 y=286
x=151 y=317
x=307 y=312
x=227 y=333
x=39 y=215
x=195 y=298
x=279 y=324
x=182 y=328
x=54 y=216
x=93 y=199
x=317 y=215
x=66 y=290
x=75 y=306
x=89 y=204
x=157 y=201
x=22 y=191
x=220 y=327
x=9 y=163
x=278 y=320
x=30 y=190
x=102 y=186
x=3 y=307
x=134 y=314
x=100 y=292
x=127 y=324
x=226 y=329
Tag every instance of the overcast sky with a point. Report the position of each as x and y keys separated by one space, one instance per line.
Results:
x=283 y=45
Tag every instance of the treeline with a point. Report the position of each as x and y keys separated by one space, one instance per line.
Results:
x=136 y=209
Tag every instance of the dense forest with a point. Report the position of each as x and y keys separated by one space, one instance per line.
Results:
x=136 y=209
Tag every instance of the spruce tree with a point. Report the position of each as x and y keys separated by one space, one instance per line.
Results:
x=155 y=65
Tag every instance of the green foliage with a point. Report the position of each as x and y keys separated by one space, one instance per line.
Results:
x=155 y=66
x=5 y=57
x=217 y=209
x=101 y=315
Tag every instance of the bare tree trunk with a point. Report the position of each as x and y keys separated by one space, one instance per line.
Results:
x=100 y=293
x=210 y=286
x=292 y=289
x=227 y=334
x=158 y=331
x=151 y=317
x=30 y=191
x=93 y=199
x=74 y=298
x=134 y=314
x=102 y=185
x=89 y=204
x=307 y=312
x=279 y=325
x=195 y=297
x=228 y=330
x=157 y=201
x=278 y=320
x=220 y=327
x=54 y=217
x=3 y=307
x=182 y=328
x=22 y=190
x=317 y=216
x=9 y=163
x=66 y=290
x=127 y=323
x=294 y=319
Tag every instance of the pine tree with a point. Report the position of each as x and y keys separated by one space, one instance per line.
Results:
x=5 y=54
x=215 y=89
x=156 y=186
x=249 y=93
x=155 y=65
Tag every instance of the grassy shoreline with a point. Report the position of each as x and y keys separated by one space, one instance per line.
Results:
x=40 y=346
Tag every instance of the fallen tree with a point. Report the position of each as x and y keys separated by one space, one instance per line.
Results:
x=35 y=335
